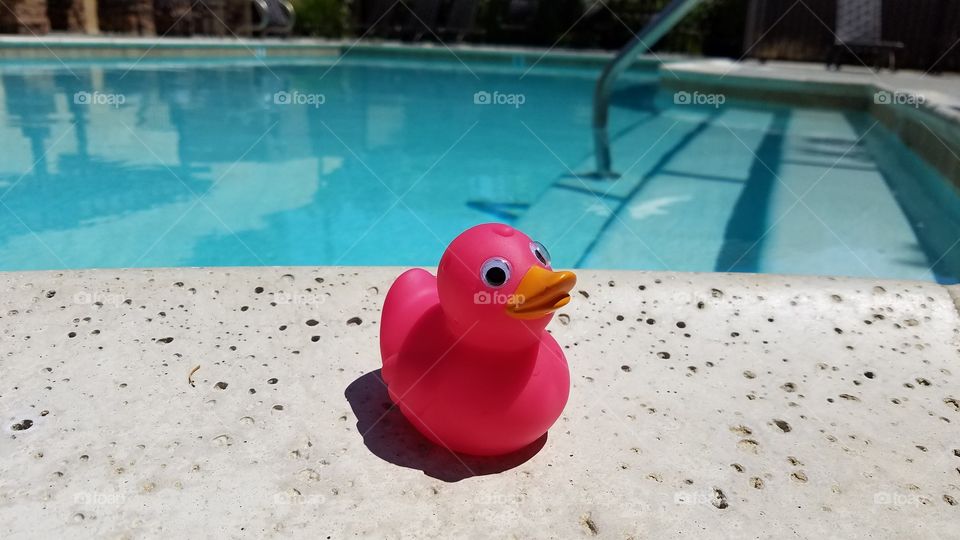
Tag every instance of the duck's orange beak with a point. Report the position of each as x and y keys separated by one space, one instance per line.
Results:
x=540 y=293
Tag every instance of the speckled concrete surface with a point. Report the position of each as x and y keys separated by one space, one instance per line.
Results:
x=713 y=405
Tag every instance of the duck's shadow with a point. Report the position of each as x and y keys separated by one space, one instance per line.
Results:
x=388 y=434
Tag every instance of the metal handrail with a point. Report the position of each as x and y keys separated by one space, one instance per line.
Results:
x=659 y=25
x=264 y=11
x=263 y=8
x=291 y=16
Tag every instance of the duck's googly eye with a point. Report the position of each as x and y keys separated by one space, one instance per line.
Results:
x=495 y=272
x=540 y=252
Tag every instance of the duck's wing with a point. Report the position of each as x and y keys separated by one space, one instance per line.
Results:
x=409 y=298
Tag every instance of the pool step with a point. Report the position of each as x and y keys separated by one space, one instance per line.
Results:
x=833 y=211
x=662 y=201
x=722 y=190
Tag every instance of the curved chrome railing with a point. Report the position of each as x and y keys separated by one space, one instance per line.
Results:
x=654 y=30
x=291 y=16
x=263 y=10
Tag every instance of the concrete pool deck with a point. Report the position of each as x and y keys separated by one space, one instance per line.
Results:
x=245 y=402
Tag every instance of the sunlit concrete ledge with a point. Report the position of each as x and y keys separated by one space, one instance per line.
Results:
x=245 y=402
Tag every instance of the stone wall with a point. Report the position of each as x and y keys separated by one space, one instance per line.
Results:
x=136 y=17
x=206 y=17
x=66 y=15
x=24 y=17
x=127 y=17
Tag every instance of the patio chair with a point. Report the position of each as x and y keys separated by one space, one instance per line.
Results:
x=859 y=28
x=273 y=17
x=174 y=17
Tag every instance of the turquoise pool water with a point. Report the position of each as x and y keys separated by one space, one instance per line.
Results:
x=375 y=162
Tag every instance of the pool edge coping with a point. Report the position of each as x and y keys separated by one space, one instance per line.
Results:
x=954 y=292
x=44 y=47
x=942 y=110
x=773 y=284
x=114 y=404
x=952 y=289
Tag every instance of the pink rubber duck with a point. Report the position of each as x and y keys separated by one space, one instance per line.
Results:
x=465 y=354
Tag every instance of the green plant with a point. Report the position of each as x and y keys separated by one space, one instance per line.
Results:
x=322 y=18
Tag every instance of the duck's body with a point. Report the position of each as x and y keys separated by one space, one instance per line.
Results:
x=470 y=399
x=470 y=366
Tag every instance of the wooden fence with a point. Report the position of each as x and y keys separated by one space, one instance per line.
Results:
x=804 y=30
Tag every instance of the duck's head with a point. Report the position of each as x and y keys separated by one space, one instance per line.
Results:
x=497 y=288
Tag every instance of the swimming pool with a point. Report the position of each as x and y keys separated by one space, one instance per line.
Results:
x=376 y=161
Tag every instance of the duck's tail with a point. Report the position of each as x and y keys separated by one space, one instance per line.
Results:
x=409 y=298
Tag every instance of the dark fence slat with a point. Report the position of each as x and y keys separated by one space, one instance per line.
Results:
x=803 y=31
